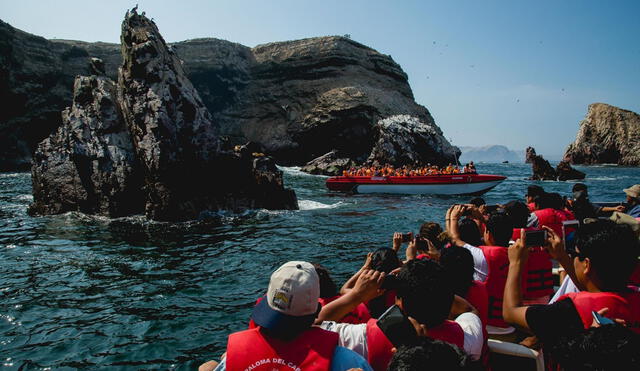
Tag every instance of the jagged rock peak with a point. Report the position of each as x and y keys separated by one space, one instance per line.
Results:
x=607 y=134
x=88 y=165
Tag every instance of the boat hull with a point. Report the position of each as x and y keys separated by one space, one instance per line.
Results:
x=435 y=184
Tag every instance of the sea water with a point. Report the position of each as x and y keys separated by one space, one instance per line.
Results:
x=79 y=291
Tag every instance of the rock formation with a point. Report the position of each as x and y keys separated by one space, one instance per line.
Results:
x=299 y=99
x=564 y=171
x=542 y=170
x=529 y=155
x=174 y=156
x=89 y=164
x=608 y=135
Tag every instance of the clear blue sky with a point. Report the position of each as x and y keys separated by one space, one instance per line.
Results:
x=517 y=73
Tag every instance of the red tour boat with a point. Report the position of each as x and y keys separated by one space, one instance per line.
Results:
x=441 y=184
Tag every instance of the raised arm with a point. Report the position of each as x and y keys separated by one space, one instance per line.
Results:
x=352 y=281
x=455 y=212
x=556 y=248
x=367 y=287
x=513 y=311
x=461 y=305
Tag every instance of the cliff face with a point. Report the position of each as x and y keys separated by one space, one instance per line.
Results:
x=608 y=134
x=151 y=147
x=299 y=99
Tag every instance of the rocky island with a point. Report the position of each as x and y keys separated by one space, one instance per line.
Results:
x=147 y=144
x=607 y=135
x=327 y=101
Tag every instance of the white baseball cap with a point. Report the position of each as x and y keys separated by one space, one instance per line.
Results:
x=292 y=297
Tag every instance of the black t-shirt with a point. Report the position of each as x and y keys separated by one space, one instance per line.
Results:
x=552 y=321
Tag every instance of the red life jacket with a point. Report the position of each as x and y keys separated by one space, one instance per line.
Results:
x=359 y=315
x=498 y=262
x=479 y=298
x=311 y=350
x=379 y=347
x=625 y=306
x=538 y=281
x=552 y=218
x=531 y=206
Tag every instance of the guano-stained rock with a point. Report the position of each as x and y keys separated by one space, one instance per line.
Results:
x=608 y=135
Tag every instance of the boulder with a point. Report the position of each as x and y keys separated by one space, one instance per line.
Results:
x=565 y=171
x=332 y=163
x=181 y=166
x=529 y=155
x=607 y=135
x=89 y=164
x=407 y=140
x=541 y=168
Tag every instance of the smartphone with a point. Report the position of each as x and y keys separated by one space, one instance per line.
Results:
x=396 y=327
x=421 y=244
x=406 y=237
x=601 y=320
x=569 y=228
x=536 y=238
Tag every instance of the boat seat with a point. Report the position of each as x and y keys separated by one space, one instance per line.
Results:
x=517 y=350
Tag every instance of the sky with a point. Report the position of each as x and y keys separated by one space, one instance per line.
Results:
x=516 y=73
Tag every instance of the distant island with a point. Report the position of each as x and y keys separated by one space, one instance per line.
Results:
x=496 y=153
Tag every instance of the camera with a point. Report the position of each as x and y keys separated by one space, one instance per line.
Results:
x=535 y=238
x=406 y=237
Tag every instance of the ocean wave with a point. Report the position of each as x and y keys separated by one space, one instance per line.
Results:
x=314 y=205
x=295 y=170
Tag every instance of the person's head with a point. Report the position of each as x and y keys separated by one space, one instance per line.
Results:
x=518 y=213
x=477 y=201
x=458 y=265
x=424 y=292
x=579 y=187
x=499 y=229
x=605 y=254
x=384 y=260
x=633 y=194
x=469 y=232
x=532 y=192
x=433 y=232
x=291 y=304
x=555 y=201
x=437 y=354
x=328 y=288
x=608 y=347
x=543 y=201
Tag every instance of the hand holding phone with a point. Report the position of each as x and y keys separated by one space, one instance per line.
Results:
x=406 y=237
x=535 y=238
x=600 y=319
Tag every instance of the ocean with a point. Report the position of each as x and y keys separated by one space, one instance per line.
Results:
x=80 y=292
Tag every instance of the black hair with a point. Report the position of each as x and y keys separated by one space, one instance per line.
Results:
x=543 y=201
x=579 y=187
x=432 y=354
x=469 y=232
x=328 y=288
x=425 y=291
x=477 y=201
x=458 y=264
x=608 y=347
x=500 y=227
x=385 y=260
x=518 y=213
x=556 y=201
x=612 y=249
x=433 y=232
x=534 y=190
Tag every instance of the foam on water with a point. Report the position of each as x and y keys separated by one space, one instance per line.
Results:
x=295 y=170
x=314 y=205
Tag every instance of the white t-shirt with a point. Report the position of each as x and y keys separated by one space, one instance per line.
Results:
x=354 y=337
x=480 y=265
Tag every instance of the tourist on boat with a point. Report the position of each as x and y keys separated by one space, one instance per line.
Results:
x=458 y=265
x=583 y=208
x=608 y=347
x=382 y=260
x=329 y=292
x=600 y=264
x=472 y=167
x=533 y=191
x=549 y=211
x=437 y=354
x=633 y=200
x=490 y=261
x=285 y=335
x=424 y=296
